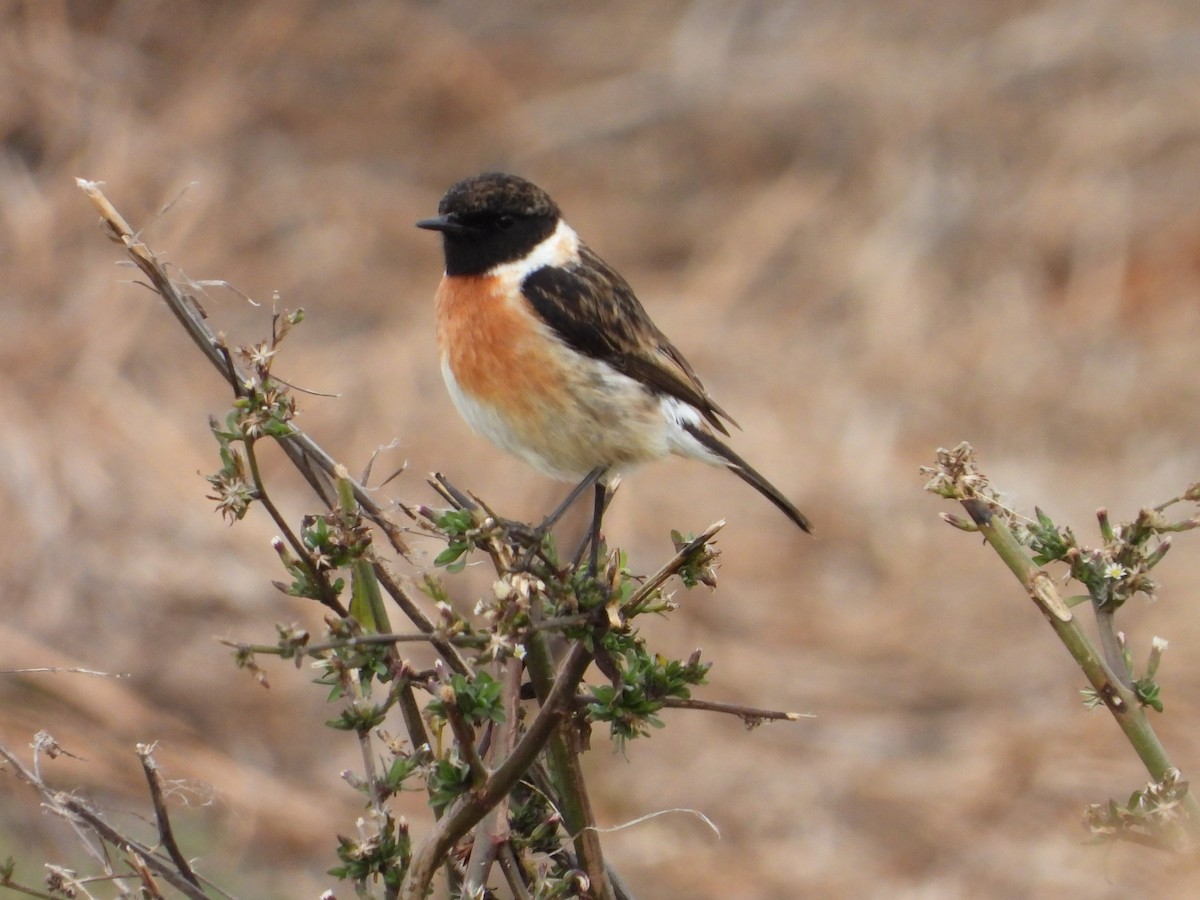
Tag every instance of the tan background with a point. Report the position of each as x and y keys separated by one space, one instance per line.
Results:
x=874 y=228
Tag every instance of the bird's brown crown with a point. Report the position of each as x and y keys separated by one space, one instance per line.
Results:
x=490 y=219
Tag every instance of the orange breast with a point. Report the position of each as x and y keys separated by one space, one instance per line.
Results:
x=497 y=348
x=521 y=387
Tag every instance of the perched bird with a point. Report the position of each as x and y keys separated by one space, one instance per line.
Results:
x=548 y=353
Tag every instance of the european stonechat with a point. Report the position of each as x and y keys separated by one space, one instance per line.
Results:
x=548 y=353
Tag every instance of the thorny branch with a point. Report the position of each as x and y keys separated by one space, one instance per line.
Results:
x=1111 y=574
x=501 y=756
x=143 y=858
x=312 y=461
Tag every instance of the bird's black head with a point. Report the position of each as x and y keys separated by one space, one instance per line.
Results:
x=490 y=219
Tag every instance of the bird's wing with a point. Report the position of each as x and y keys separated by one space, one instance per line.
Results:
x=594 y=310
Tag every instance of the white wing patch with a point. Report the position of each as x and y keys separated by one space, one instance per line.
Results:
x=679 y=413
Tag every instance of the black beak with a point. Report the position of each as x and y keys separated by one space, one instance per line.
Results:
x=445 y=224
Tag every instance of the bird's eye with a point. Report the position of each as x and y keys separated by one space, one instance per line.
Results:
x=505 y=222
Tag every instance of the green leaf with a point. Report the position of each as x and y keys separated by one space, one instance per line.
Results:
x=366 y=600
x=448 y=556
x=455 y=521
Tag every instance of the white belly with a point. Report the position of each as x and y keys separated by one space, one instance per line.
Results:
x=605 y=419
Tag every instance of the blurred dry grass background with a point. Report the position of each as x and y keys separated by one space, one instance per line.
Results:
x=873 y=227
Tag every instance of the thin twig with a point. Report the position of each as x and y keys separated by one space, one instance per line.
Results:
x=55 y=670
x=114 y=837
x=492 y=832
x=511 y=867
x=302 y=450
x=391 y=583
x=1122 y=703
x=315 y=574
x=28 y=891
x=80 y=816
x=633 y=605
x=471 y=808
x=374 y=785
x=146 y=877
x=1110 y=644
x=166 y=835
x=470 y=641
x=464 y=736
x=483 y=852
x=563 y=751
x=751 y=715
x=441 y=484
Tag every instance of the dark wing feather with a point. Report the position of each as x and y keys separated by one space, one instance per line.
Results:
x=751 y=476
x=594 y=310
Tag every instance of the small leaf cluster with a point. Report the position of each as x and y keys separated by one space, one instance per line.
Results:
x=956 y=476
x=404 y=766
x=335 y=541
x=350 y=670
x=478 y=699
x=263 y=410
x=1112 y=573
x=1153 y=812
x=1147 y=691
x=536 y=824
x=232 y=489
x=379 y=853
x=578 y=593
x=264 y=407
x=646 y=680
x=697 y=567
x=448 y=779
x=1146 y=688
x=1119 y=567
x=459 y=527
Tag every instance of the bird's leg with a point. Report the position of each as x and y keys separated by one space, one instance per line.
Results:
x=601 y=499
x=592 y=477
x=533 y=537
x=588 y=536
x=605 y=661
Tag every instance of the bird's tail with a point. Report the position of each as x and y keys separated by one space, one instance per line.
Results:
x=750 y=475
